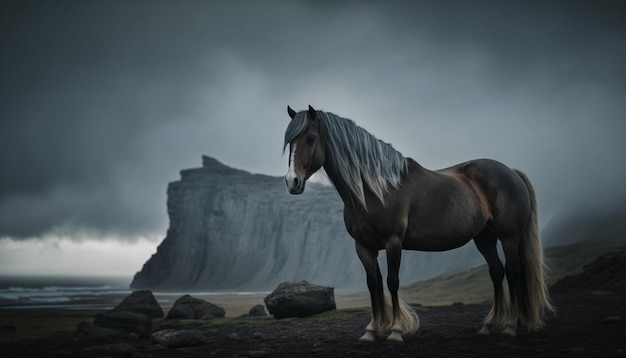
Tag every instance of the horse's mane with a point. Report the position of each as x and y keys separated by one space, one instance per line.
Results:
x=358 y=157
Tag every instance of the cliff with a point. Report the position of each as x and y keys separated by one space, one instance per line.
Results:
x=230 y=229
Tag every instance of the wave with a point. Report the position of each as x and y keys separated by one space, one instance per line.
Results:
x=58 y=293
x=83 y=293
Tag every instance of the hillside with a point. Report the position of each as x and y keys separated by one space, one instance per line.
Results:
x=570 y=263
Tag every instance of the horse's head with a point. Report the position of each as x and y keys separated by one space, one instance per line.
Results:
x=306 y=149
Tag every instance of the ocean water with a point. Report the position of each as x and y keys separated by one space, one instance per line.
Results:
x=86 y=292
x=62 y=291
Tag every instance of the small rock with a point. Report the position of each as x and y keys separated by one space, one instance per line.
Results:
x=89 y=331
x=156 y=347
x=576 y=350
x=257 y=335
x=257 y=311
x=126 y=321
x=141 y=355
x=234 y=337
x=179 y=338
x=611 y=319
x=115 y=349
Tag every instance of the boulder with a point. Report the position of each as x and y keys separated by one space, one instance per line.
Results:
x=300 y=299
x=188 y=307
x=178 y=338
x=257 y=311
x=125 y=321
x=142 y=302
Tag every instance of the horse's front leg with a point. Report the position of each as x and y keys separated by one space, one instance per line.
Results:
x=393 y=248
x=369 y=260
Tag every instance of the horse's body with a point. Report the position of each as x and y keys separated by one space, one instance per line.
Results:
x=393 y=203
x=441 y=210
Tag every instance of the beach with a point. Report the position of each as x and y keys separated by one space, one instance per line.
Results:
x=40 y=307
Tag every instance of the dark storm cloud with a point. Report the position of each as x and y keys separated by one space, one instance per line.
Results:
x=102 y=103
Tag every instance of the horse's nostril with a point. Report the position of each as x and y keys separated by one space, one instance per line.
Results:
x=296 y=182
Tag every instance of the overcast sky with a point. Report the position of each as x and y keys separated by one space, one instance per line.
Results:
x=102 y=103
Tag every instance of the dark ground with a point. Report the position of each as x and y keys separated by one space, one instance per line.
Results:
x=584 y=326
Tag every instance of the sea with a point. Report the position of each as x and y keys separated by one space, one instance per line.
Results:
x=85 y=292
x=71 y=292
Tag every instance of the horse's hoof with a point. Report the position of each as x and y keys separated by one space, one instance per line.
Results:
x=485 y=331
x=509 y=331
x=395 y=337
x=368 y=337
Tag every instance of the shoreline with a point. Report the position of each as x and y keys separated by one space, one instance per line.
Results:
x=232 y=301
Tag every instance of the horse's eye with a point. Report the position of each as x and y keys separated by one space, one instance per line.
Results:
x=310 y=140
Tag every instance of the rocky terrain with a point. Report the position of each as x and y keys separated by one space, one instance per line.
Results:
x=585 y=326
x=590 y=303
x=230 y=229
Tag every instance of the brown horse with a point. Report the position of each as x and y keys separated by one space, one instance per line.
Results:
x=393 y=203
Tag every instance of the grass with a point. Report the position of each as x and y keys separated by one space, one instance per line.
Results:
x=252 y=322
x=474 y=285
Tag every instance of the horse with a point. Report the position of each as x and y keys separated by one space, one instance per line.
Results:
x=392 y=203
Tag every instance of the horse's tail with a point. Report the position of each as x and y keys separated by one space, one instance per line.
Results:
x=536 y=300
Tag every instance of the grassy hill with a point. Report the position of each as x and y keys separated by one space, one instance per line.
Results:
x=474 y=285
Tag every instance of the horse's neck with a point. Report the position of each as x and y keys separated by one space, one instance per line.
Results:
x=343 y=189
x=416 y=171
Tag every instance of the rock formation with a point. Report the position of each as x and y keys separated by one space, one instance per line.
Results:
x=188 y=307
x=300 y=299
x=230 y=229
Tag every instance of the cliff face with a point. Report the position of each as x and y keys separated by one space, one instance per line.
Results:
x=230 y=229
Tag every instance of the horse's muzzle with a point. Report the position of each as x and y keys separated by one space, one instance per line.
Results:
x=295 y=185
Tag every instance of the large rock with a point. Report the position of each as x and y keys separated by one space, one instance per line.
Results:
x=133 y=315
x=300 y=299
x=125 y=321
x=230 y=229
x=142 y=302
x=188 y=307
x=179 y=338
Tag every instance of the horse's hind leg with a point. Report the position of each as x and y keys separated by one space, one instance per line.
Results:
x=375 y=285
x=486 y=242
x=394 y=254
x=514 y=277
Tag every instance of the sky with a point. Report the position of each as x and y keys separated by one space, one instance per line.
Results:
x=102 y=103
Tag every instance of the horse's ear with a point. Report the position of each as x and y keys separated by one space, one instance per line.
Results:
x=291 y=112
x=312 y=112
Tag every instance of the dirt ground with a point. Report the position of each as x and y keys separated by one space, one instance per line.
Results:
x=591 y=326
